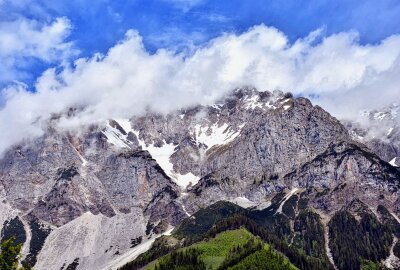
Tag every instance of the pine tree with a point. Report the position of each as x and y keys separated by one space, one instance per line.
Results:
x=10 y=255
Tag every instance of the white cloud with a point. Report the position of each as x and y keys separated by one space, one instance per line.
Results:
x=23 y=40
x=128 y=79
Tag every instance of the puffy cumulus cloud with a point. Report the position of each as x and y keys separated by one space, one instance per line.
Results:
x=129 y=80
x=23 y=40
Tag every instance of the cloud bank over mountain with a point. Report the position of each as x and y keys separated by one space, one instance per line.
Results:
x=337 y=71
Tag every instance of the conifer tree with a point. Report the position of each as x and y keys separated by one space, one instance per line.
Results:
x=10 y=255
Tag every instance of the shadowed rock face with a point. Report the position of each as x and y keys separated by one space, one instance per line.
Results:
x=348 y=171
x=127 y=174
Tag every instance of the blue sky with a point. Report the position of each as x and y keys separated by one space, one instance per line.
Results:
x=98 y=25
x=105 y=56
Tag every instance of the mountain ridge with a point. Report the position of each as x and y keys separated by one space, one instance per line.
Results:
x=115 y=183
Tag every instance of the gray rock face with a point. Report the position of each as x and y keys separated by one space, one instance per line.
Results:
x=60 y=177
x=100 y=188
x=344 y=172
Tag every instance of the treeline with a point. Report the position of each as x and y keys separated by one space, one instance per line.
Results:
x=188 y=259
x=352 y=242
x=295 y=256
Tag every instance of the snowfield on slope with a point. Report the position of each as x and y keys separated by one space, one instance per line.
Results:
x=215 y=135
x=210 y=136
x=161 y=154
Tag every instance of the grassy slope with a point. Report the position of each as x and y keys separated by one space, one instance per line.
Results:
x=215 y=250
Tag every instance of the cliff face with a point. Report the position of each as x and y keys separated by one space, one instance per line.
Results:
x=84 y=190
x=94 y=196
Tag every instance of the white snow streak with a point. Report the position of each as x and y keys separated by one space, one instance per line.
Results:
x=396 y=217
x=393 y=162
x=389 y=131
x=287 y=197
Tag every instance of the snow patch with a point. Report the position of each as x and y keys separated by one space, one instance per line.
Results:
x=162 y=156
x=286 y=106
x=287 y=197
x=389 y=131
x=253 y=101
x=243 y=202
x=215 y=134
x=393 y=162
x=115 y=137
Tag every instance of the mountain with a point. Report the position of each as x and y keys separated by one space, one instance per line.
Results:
x=97 y=198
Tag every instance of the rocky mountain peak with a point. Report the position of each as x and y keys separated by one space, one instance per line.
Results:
x=129 y=178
